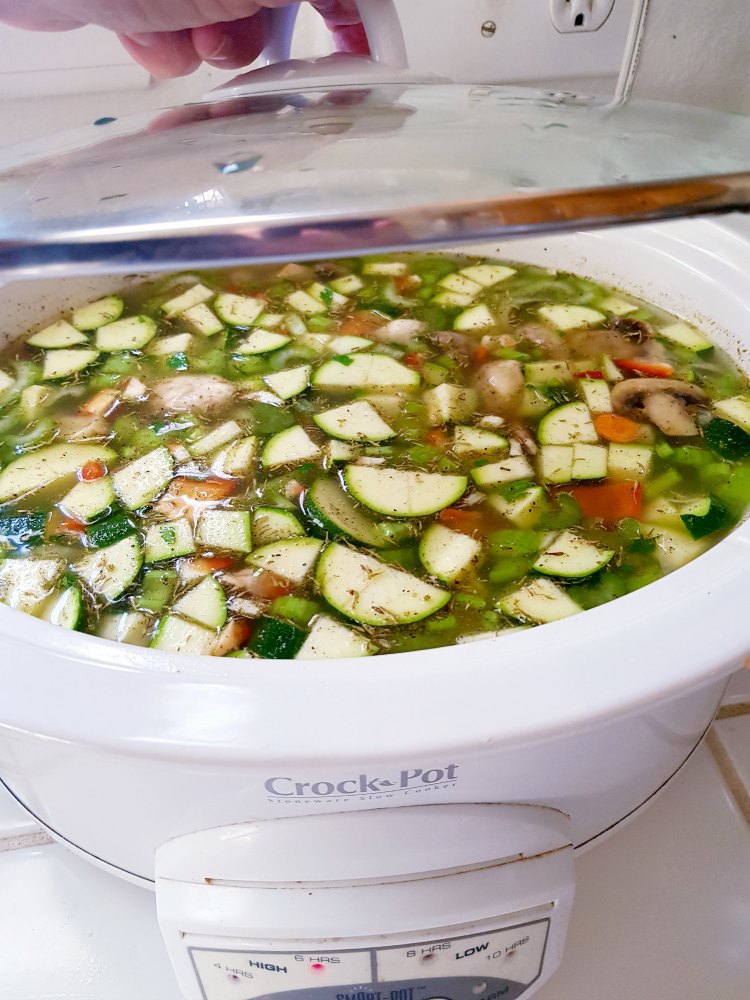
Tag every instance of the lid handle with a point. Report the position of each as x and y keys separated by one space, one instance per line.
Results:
x=379 y=18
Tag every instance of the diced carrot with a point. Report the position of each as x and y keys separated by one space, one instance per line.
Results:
x=202 y=489
x=267 y=585
x=293 y=489
x=404 y=283
x=481 y=354
x=612 y=427
x=437 y=437
x=359 y=324
x=101 y=402
x=656 y=368
x=415 y=360
x=468 y=522
x=610 y=501
x=69 y=526
x=589 y=374
x=235 y=634
x=204 y=565
x=92 y=471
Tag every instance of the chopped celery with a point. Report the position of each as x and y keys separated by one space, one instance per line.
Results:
x=297 y=609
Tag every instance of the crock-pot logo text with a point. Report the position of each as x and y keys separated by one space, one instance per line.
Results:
x=407 y=781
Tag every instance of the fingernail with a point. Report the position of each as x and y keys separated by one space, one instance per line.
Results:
x=144 y=40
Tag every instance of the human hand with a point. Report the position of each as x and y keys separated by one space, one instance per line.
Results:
x=173 y=37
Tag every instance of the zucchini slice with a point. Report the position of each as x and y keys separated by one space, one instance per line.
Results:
x=571 y=317
x=169 y=540
x=488 y=274
x=238 y=310
x=333 y=511
x=176 y=343
x=477 y=441
x=67 y=609
x=131 y=334
x=175 y=635
x=26 y=583
x=508 y=470
x=448 y=555
x=476 y=318
x=222 y=435
x=141 y=481
x=289 y=447
x=225 y=529
x=372 y=592
x=629 y=461
x=358 y=421
x=365 y=371
x=205 y=603
x=674 y=548
x=290 y=558
x=203 y=320
x=87 y=501
x=187 y=300
x=398 y=493
x=39 y=468
x=68 y=361
x=736 y=409
x=539 y=600
x=261 y=342
x=329 y=639
x=131 y=627
x=95 y=314
x=348 y=345
x=685 y=336
x=289 y=383
x=237 y=459
x=450 y=404
x=110 y=571
x=572 y=557
x=568 y=424
x=271 y=524
x=523 y=512
x=60 y=334
x=276 y=640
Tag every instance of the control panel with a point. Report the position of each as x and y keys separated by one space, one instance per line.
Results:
x=437 y=902
x=494 y=965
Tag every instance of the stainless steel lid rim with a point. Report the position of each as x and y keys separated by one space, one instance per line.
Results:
x=243 y=239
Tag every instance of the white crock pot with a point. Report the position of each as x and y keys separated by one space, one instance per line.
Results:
x=119 y=750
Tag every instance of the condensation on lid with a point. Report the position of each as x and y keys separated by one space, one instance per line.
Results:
x=341 y=170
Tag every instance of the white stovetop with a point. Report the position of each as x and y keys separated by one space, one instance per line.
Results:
x=662 y=909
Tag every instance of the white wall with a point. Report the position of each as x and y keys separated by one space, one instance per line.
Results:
x=697 y=52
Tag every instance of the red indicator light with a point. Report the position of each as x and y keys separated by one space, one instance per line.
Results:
x=317 y=966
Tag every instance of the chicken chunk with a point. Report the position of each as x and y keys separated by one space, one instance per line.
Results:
x=183 y=393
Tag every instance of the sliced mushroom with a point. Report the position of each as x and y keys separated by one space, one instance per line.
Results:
x=500 y=385
x=664 y=402
x=458 y=345
x=553 y=344
x=590 y=343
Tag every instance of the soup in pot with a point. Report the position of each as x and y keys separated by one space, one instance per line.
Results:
x=359 y=457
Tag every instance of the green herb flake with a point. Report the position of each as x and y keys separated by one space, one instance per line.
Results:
x=343 y=359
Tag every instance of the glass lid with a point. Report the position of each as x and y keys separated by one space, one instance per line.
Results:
x=342 y=168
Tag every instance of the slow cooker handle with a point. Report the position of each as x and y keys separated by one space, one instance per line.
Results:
x=381 y=23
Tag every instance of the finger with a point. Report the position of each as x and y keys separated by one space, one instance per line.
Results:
x=336 y=12
x=232 y=45
x=164 y=54
x=351 y=38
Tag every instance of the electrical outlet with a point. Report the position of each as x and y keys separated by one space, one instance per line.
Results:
x=579 y=15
